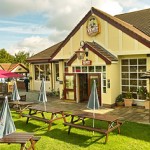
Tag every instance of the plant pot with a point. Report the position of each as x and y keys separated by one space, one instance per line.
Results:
x=147 y=104
x=119 y=103
x=128 y=102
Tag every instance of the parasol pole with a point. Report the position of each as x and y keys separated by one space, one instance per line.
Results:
x=44 y=106
x=94 y=108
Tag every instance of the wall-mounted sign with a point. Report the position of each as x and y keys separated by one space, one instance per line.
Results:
x=93 y=26
x=86 y=62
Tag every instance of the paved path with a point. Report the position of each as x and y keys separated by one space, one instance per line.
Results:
x=135 y=114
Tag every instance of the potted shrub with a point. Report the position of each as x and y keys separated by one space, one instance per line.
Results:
x=142 y=92
x=128 y=100
x=119 y=100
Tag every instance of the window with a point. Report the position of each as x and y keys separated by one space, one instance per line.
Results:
x=42 y=71
x=57 y=71
x=131 y=71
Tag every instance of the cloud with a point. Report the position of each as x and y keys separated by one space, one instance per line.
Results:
x=19 y=7
x=60 y=18
x=26 y=29
x=32 y=45
x=108 y=5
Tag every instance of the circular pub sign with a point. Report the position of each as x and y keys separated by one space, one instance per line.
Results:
x=93 y=26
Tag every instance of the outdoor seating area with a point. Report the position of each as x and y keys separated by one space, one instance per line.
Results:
x=34 y=115
x=79 y=138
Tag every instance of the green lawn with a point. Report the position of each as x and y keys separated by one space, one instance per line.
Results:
x=133 y=136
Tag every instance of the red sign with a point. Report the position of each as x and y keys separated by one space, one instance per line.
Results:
x=86 y=62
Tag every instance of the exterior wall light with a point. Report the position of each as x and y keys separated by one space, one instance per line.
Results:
x=80 y=53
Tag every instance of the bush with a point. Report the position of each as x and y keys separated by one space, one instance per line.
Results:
x=119 y=98
x=142 y=92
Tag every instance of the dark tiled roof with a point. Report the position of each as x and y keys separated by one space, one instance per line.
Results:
x=45 y=54
x=102 y=51
x=139 y=19
x=98 y=50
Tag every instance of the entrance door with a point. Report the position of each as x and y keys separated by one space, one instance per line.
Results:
x=97 y=78
x=70 y=88
x=83 y=87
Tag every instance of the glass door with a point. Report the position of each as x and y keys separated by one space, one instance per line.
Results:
x=70 y=88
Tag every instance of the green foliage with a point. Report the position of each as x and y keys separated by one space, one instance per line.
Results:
x=119 y=98
x=129 y=95
x=6 y=57
x=133 y=136
x=142 y=92
x=21 y=57
x=53 y=93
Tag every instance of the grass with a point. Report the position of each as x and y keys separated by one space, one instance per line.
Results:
x=133 y=136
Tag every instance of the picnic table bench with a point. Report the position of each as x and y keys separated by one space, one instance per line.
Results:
x=56 y=114
x=113 y=123
x=21 y=138
x=21 y=106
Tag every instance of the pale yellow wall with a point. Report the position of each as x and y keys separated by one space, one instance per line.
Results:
x=31 y=75
x=61 y=78
x=17 y=69
x=133 y=56
x=114 y=75
x=75 y=41
x=128 y=43
x=142 y=47
x=111 y=38
x=96 y=61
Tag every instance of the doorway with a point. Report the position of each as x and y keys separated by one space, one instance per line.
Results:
x=85 y=85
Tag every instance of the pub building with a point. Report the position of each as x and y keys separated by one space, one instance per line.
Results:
x=113 y=50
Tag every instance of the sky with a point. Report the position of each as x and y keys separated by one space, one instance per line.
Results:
x=34 y=25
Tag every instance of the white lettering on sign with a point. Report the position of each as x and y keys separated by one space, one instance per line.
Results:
x=86 y=62
x=92 y=30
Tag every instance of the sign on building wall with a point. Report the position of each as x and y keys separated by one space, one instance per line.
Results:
x=93 y=26
x=86 y=62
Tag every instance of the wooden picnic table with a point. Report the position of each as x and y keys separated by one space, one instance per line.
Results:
x=55 y=114
x=112 y=122
x=21 y=106
x=21 y=138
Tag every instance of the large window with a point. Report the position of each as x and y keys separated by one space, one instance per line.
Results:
x=42 y=71
x=132 y=69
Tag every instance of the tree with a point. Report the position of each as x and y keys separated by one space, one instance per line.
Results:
x=5 y=57
x=21 y=57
